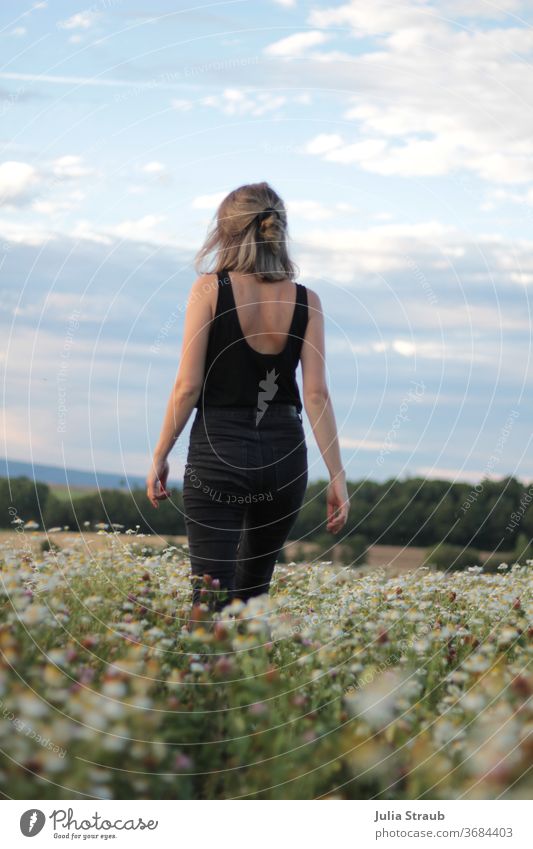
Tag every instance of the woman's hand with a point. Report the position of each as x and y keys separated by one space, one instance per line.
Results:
x=338 y=504
x=156 y=482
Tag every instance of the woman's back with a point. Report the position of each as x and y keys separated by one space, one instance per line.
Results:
x=264 y=310
x=256 y=335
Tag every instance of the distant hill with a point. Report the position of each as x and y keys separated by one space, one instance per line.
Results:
x=58 y=476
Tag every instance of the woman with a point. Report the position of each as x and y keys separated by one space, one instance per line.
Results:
x=247 y=326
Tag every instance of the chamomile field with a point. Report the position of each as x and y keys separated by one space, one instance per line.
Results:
x=338 y=685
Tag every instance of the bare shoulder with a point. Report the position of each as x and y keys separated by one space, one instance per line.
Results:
x=205 y=283
x=204 y=290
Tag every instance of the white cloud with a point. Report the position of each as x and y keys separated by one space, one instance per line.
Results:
x=140 y=230
x=81 y=20
x=143 y=230
x=404 y=347
x=181 y=104
x=158 y=172
x=432 y=99
x=296 y=44
x=363 y=444
x=208 y=201
x=154 y=167
x=459 y=475
x=85 y=230
x=378 y=249
x=380 y=16
x=309 y=210
x=18 y=32
x=51 y=207
x=323 y=144
x=24 y=234
x=364 y=152
x=70 y=167
x=17 y=180
x=235 y=101
x=480 y=8
x=430 y=260
x=432 y=350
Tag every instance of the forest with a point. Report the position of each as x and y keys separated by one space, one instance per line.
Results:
x=489 y=515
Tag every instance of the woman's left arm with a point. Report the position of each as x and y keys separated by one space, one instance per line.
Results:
x=187 y=386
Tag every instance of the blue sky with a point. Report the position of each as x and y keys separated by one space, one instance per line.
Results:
x=400 y=137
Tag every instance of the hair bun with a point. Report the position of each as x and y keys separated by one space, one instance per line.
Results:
x=269 y=227
x=265 y=213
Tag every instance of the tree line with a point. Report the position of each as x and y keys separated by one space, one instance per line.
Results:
x=489 y=515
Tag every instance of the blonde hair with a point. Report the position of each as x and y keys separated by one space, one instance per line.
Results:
x=249 y=235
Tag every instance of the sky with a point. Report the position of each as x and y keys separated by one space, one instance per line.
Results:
x=400 y=137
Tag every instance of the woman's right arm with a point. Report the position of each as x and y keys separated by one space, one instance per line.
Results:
x=319 y=410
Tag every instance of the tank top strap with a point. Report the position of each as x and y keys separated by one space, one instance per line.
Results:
x=224 y=296
x=301 y=313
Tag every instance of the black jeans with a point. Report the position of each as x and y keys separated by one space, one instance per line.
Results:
x=243 y=486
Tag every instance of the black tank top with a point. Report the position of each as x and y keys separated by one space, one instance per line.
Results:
x=237 y=375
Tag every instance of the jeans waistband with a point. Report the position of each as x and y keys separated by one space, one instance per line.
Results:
x=274 y=410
